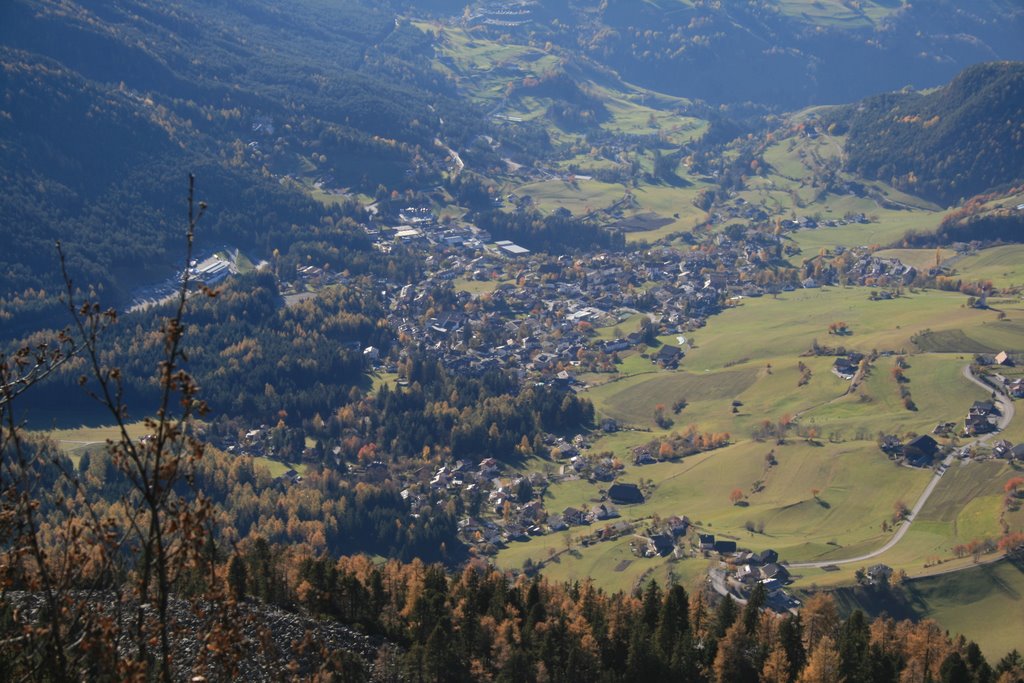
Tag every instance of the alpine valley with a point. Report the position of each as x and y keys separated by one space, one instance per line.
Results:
x=516 y=340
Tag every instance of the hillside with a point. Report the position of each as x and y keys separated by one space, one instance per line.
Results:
x=786 y=53
x=956 y=142
x=107 y=106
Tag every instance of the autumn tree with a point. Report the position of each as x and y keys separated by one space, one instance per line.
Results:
x=732 y=662
x=820 y=618
x=776 y=667
x=155 y=533
x=823 y=666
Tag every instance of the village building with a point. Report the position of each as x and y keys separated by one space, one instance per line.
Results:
x=625 y=494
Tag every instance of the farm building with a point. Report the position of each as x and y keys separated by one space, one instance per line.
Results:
x=625 y=494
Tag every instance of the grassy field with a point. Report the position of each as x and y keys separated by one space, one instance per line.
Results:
x=889 y=228
x=672 y=205
x=276 y=467
x=985 y=604
x=922 y=259
x=785 y=326
x=580 y=197
x=751 y=354
x=79 y=441
x=796 y=523
x=837 y=13
x=964 y=507
x=1004 y=266
x=936 y=383
x=793 y=185
x=476 y=287
x=483 y=68
x=633 y=400
x=937 y=386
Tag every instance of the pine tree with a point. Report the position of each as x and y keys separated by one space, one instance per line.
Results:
x=673 y=622
x=237 y=578
x=651 y=605
x=752 y=612
x=791 y=638
x=954 y=669
x=725 y=616
x=976 y=664
x=853 y=648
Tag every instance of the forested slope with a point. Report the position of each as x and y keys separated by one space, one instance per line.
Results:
x=956 y=142
x=105 y=107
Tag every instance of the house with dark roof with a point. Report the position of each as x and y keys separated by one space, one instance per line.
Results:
x=574 y=517
x=625 y=494
x=774 y=571
x=845 y=368
x=652 y=546
x=725 y=547
x=669 y=356
x=921 y=451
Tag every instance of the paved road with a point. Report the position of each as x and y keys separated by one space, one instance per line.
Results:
x=1006 y=409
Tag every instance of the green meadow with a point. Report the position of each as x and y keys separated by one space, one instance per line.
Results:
x=983 y=603
x=829 y=497
x=921 y=259
x=580 y=197
x=1004 y=266
x=810 y=505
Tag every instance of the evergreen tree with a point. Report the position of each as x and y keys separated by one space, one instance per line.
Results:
x=976 y=664
x=853 y=649
x=725 y=616
x=651 y=605
x=752 y=611
x=673 y=622
x=237 y=579
x=791 y=639
x=954 y=669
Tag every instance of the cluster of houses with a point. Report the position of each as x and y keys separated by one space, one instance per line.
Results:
x=503 y=14
x=870 y=270
x=859 y=266
x=507 y=517
x=1007 y=451
x=982 y=418
x=1012 y=386
x=740 y=571
x=537 y=315
x=919 y=451
x=417 y=226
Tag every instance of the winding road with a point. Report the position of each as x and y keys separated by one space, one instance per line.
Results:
x=1006 y=410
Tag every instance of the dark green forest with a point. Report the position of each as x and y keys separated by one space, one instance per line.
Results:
x=106 y=103
x=948 y=145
